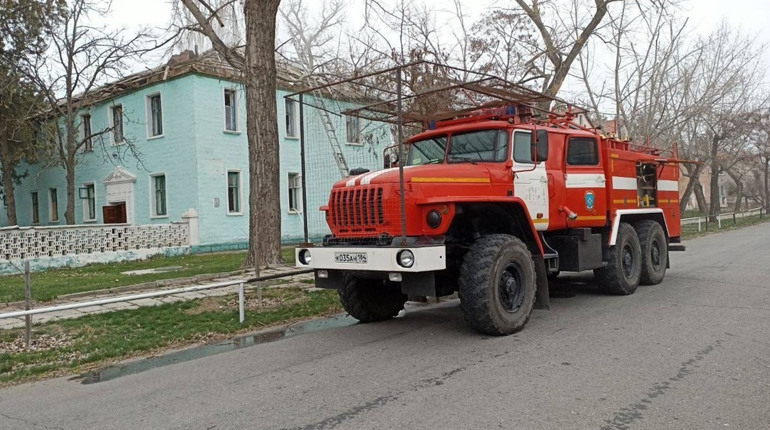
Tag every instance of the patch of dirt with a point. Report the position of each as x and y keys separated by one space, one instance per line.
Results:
x=39 y=342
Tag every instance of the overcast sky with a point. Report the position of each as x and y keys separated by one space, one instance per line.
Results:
x=704 y=15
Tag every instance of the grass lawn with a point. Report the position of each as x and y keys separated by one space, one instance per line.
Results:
x=52 y=283
x=690 y=231
x=73 y=346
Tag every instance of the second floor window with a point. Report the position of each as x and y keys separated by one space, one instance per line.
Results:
x=88 y=144
x=117 y=124
x=156 y=115
x=231 y=110
x=353 y=129
x=292 y=119
x=159 y=200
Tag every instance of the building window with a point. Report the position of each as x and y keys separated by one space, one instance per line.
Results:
x=117 y=125
x=35 y=209
x=292 y=118
x=159 y=195
x=155 y=110
x=233 y=192
x=353 y=129
x=295 y=185
x=53 y=205
x=231 y=110
x=88 y=144
x=88 y=195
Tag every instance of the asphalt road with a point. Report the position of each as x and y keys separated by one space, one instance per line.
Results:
x=690 y=353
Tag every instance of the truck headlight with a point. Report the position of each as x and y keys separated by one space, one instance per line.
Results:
x=305 y=257
x=405 y=258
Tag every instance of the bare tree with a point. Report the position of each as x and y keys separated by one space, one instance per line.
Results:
x=256 y=62
x=562 y=39
x=83 y=56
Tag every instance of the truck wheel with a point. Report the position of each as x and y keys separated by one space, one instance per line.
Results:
x=623 y=270
x=654 y=251
x=371 y=300
x=497 y=285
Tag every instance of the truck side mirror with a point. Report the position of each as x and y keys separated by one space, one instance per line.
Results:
x=539 y=146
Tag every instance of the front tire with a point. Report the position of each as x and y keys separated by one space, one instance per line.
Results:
x=497 y=285
x=654 y=247
x=371 y=300
x=623 y=271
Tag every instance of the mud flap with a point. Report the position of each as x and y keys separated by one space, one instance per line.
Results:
x=542 y=300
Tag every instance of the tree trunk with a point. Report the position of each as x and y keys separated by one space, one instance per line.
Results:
x=262 y=131
x=714 y=207
x=694 y=175
x=700 y=197
x=767 y=183
x=8 y=186
x=69 y=213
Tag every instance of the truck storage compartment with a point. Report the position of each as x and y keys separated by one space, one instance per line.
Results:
x=578 y=250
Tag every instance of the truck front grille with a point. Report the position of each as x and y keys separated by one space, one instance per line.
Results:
x=357 y=208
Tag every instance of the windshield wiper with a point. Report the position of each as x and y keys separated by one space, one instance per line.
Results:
x=459 y=158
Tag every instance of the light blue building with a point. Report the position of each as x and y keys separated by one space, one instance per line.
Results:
x=178 y=142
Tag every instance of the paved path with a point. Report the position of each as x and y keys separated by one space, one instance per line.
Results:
x=76 y=313
x=691 y=353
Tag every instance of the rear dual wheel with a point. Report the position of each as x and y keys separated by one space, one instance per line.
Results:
x=371 y=300
x=623 y=271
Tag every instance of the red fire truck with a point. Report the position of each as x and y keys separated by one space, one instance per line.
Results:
x=494 y=204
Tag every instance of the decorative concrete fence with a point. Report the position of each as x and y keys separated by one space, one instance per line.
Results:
x=78 y=245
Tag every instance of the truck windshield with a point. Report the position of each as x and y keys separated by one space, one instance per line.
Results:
x=485 y=145
x=427 y=151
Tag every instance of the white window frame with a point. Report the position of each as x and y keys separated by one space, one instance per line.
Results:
x=153 y=211
x=85 y=204
x=236 y=112
x=240 y=192
x=88 y=146
x=51 y=212
x=360 y=129
x=32 y=206
x=111 y=119
x=294 y=120
x=298 y=199
x=148 y=115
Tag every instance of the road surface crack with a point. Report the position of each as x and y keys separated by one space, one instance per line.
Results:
x=32 y=423
x=634 y=412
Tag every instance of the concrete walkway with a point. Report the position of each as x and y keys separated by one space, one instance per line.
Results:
x=287 y=274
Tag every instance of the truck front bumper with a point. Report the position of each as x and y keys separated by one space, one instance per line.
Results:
x=332 y=262
x=374 y=259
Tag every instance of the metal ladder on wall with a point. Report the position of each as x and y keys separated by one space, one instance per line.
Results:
x=331 y=133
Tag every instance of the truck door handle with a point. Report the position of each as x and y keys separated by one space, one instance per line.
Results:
x=543 y=179
x=600 y=179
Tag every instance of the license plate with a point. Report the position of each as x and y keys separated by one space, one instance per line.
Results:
x=350 y=257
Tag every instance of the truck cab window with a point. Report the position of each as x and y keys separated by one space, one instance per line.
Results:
x=427 y=151
x=486 y=145
x=522 y=149
x=582 y=151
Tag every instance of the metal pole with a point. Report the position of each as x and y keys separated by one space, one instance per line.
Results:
x=719 y=221
x=302 y=156
x=27 y=304
x=401 y=156
x=241 y=302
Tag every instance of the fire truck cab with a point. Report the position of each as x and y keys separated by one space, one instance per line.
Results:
x=495 y=204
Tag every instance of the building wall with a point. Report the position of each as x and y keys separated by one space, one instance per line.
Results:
x=170 y=154
x=195 y=154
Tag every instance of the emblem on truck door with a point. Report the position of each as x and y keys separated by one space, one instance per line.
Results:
x=590 y=200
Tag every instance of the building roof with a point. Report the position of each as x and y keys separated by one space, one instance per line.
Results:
x=209 y=63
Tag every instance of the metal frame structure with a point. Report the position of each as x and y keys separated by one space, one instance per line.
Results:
x=395 y=95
